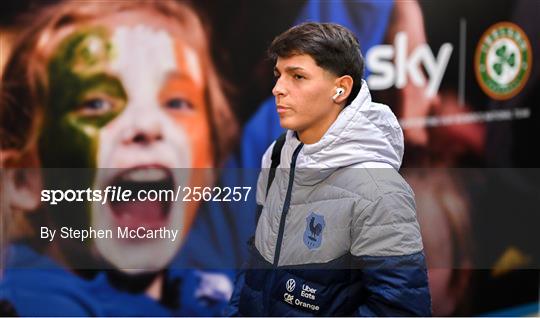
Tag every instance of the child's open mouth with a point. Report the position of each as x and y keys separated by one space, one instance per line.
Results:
x=148 y=205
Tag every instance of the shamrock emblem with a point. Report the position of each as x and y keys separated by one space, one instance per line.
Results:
x=503 y=58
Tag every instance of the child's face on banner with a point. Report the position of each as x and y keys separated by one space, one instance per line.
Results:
x=128 y=91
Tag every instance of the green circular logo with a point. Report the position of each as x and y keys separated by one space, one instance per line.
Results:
x=503 y=60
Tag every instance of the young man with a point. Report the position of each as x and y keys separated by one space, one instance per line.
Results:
x=337 y=233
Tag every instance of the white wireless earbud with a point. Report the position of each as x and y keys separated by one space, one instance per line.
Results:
x=339 y=91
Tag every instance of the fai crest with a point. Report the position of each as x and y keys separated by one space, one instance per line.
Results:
x=314 y=229
x=503 y=60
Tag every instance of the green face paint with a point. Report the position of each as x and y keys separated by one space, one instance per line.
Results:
x=89 y=81
x=82 y=99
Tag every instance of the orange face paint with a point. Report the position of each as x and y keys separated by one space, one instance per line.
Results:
x=183 y=94
x=188 y=87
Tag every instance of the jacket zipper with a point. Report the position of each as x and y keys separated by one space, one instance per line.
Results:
x=268 y=287
x=286 y=205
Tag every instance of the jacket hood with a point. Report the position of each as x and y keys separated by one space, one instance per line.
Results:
x=364 y=133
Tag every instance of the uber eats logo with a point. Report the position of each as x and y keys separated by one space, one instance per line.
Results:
x=307 y=294
x=503 y=60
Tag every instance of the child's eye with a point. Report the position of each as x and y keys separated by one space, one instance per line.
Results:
x=96 y=106
x=178 y=104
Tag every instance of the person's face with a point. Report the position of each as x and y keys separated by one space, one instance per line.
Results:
x=303 y=92
x=128 y=91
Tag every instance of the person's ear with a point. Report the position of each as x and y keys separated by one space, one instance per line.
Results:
x=21 y=180
x=344 y=85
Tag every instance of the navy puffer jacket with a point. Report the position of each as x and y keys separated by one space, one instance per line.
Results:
x=338 y=233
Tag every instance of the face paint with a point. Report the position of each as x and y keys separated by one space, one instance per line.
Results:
x=82 y=99
x=199 y=133
x=155 y=133
x=144 y=70
x=196 y=123
x=132 y=98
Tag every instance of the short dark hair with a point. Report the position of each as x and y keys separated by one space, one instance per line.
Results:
x=332 y=46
